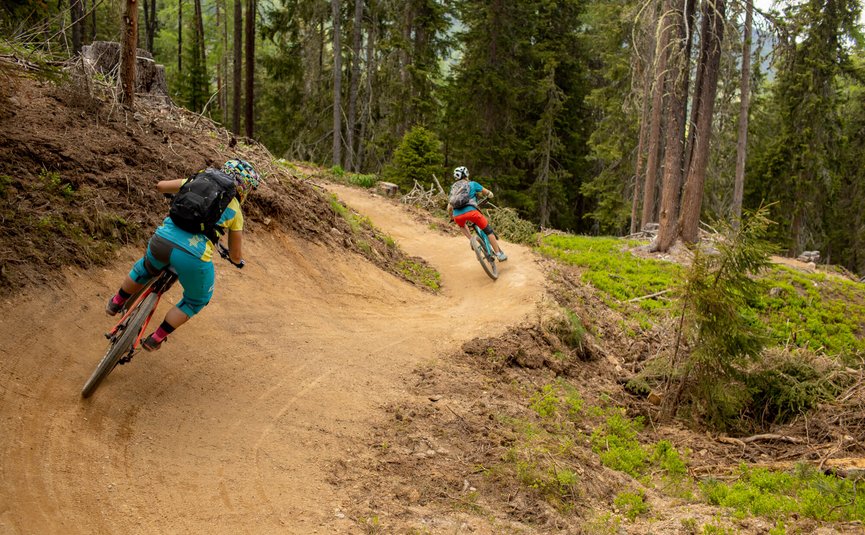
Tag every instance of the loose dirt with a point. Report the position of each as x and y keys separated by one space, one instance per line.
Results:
x=238 y=423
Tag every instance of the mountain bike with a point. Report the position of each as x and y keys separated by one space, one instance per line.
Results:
x=483 y=248
x=124 y=340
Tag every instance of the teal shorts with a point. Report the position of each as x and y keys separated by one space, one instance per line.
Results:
x=195 y=275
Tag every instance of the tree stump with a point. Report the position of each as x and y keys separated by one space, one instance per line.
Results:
x=387 y=188
x=104 y=58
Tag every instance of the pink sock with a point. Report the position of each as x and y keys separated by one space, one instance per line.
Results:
x=160 y=334
x=117 y=300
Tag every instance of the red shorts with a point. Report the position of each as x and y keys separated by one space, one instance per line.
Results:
x=475 y=216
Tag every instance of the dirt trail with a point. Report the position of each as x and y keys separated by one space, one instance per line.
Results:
x=236 y=425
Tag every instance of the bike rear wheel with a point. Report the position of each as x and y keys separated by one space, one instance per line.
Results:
x=122 y=343
x=483 y=251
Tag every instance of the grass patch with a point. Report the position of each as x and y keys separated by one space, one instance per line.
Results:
x=363 y=181
x=613 y=270
x=813 y=311
x=419 y=273
x=631 y=504
x=804 y=492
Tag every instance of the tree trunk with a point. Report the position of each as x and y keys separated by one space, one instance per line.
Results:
x=654 y=144
x=179 y=36
x=223 y=95
x=690 y=13
x=129 y=52
x=200 y=79
x=676 y=82
x=371 y=68
x=641 y=144
x=93 y=20
x=710 y=59
x=337 y=85
x=249 y=117
x=219 y=73
x=745 y=103
x=76 y=12
x=355 y=83
x=237 y=68
x=149 y=24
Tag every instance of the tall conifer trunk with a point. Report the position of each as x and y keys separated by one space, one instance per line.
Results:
x=76 y=12
x=710 y=59
x=351 y=162
x=744 y=105
x=676 y=83
x=337 y=85
x=129 y=52
x=249 y=115
x=179 y=36
x=237 y=67
x=654 y=142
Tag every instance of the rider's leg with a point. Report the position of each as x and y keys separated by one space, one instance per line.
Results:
x=142 y=271
x=196 y=277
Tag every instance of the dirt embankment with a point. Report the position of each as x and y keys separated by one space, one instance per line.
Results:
x=77 y=176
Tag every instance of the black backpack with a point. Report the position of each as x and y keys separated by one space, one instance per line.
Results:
x=201 y=201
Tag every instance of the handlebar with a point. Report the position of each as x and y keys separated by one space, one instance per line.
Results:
x=223 y=252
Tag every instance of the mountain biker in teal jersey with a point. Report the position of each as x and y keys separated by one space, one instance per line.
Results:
x=189 y=254
x=470 y=211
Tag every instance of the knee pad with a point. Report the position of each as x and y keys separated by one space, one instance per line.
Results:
x=191 y=307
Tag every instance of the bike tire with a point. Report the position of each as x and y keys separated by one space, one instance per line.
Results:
x=487 y=260
x=121 y=346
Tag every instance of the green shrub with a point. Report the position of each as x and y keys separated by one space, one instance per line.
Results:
x=364 y=181
x=418 y=157
x=779 y=495
x=631 y=504
x=722 y=329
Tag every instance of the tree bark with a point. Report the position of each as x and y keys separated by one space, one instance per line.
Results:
x=641 y=144
x=237 y=68
x=337 y=85
x=150 y=23
x=676 y=82
x=710 y=59
x=249 y=116
x=654 y=143
x=371 y=67
x=355 y=83
x=93 y=20
x=129 y=52
x=76 y=13
x=179 y=36
x=223 y=95
x=219 y=73
x=744 y=105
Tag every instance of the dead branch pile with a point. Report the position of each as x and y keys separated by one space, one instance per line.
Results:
x=431 y=199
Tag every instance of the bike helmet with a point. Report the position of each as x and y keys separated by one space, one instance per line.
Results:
x=461 y=173
x=245 y=176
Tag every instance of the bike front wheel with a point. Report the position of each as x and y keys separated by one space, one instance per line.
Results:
x=484 y=252
x=121 y=344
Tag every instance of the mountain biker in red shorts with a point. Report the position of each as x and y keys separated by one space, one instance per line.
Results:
x=189 y=254
x=469 y=211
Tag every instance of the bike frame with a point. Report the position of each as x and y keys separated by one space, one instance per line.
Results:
x=485 y=240
x=160 y=284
